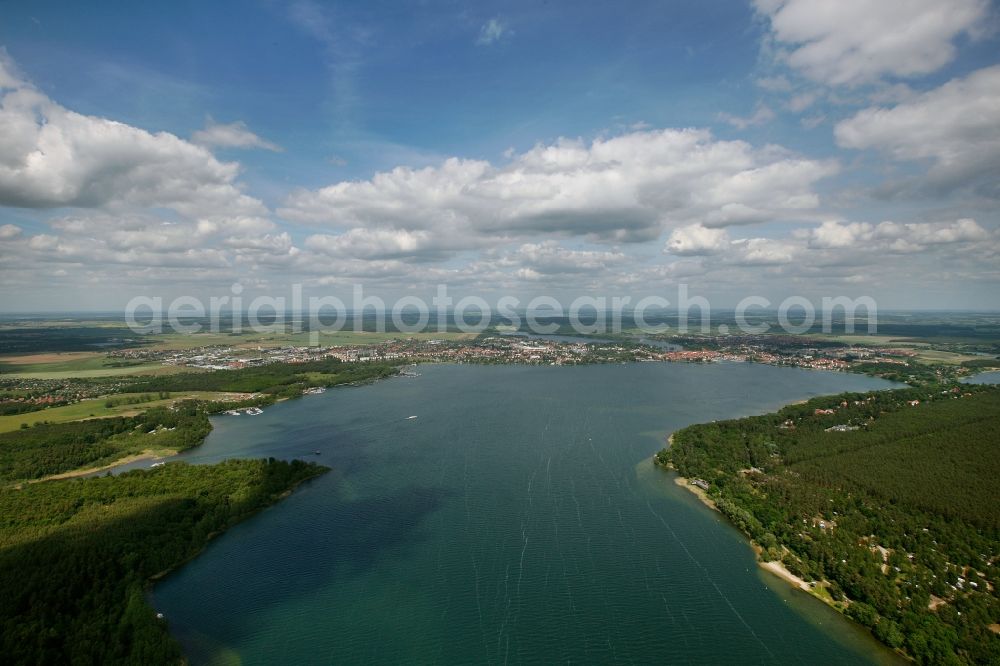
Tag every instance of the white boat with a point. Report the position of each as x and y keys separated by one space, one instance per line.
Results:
x=411 y=417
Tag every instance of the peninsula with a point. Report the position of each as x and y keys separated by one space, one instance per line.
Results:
x=880 y=504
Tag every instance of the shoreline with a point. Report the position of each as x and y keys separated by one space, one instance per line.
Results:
x=148 y=454
x=774 y=567
x=274 y=499
x=777 y=569
x=162 y=454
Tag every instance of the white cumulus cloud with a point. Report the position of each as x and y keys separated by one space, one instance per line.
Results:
x=954 y=126
x=621 y=189
x=696 y=239
x=849 y=42
x=53 y=157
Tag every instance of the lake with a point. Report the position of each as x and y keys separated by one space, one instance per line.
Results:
x=992 y=377
x=517 y=519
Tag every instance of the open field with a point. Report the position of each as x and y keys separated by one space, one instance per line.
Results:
x=253 y=340
x=41 y=372
x=68 y=362
x=864 y=340
x=68 y=322
x=950 y=358
x=97 y=408
x=64 y=365
x=48 y=358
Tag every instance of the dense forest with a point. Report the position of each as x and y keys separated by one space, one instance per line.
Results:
x=53 y=448
x=278 y=379
x=76 y=556
x=887 y=501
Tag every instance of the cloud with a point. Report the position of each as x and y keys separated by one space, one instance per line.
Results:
x=627 y=188
x=835 y=250
x=774 y=83
x=9 y=231
x=812 y=122
x=836 y=235
x=762 y=114
x=549 y=258
x=492 y=31
x=954 y=127
x=893 y=237
x=851 y=42
x=801 y=102
x=376 y=244
x=762 y=252
x=52 y=157
x=232 y=135
x=696 y=240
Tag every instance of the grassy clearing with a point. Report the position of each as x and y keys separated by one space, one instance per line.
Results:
x=97 y=408
x=181 y=341
x=53 y=358
x=865 y=340
x=251 y=340
x=65 y=365
x=950 y=358
x=143 y=369
x=351 y=338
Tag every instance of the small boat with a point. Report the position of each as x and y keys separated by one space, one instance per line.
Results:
x=157 y=464
x=411 y=417
x=317 y=452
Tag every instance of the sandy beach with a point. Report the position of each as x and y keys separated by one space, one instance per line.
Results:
x=698 y=492
x=775 y=567
x=779 y=570
x=145 y=455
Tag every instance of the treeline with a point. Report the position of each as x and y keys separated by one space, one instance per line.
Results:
x=53 y=448
x=136 y=399
x=76 y=556
x=887 y=500
x=29 y=338
x=980 y=363
x=13 y=407
x=278 y=379
x=913 y=373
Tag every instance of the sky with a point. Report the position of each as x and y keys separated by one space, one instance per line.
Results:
x=768 y=148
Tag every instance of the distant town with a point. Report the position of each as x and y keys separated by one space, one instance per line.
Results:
x=891 y=362
x=524 y=350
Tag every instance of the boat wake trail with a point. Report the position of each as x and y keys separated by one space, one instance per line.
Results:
x=709 y=578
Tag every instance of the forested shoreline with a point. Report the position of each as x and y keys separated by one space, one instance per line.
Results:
x=884 y=501
x=77 y=555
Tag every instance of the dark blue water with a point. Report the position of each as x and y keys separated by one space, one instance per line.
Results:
x=517 y=519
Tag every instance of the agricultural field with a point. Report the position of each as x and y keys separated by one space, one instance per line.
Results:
x=64 y=365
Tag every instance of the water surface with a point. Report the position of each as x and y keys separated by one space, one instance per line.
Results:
x=517 y=519
x=991 y=377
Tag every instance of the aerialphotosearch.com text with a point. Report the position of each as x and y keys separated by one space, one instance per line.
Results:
x=586 y=315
